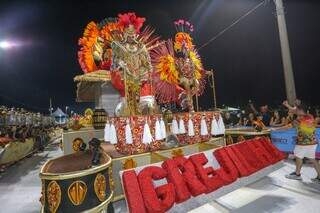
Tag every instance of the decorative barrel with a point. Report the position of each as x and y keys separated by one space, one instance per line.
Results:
x=70 y=184
x=99 y=118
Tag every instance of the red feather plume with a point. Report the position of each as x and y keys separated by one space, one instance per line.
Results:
x=127 y=19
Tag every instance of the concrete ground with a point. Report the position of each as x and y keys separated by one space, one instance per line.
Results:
x=20 y=190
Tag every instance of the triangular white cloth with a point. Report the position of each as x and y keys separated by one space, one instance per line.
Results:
x=147 y=137
x=182 y=128
x=113 y=134
x=163 y=129
x=128 y=133
x=203 y=127
x=217 y=127
x=190 y=128
x=222 y=128
x=175 y=127
x=214 y=127
x=107 y=132
x=158 y=133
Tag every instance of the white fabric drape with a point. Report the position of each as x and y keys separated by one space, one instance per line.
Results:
x=147 y=137
x=182 y=128
x=190 y=128
x=128 y=133
x=222 y=128
x=113 y=134
x=217 y=127
x=163 y=129
x=203 y=127
x=107 y=132
x=158 y=133
x=175 y=127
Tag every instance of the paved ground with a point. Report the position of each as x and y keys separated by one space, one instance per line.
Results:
x=273 y=193
x=20 y=191
x=20 y=185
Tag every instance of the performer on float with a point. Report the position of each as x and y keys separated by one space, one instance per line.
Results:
x=119 y=45
x=131 y=65
x=179 y=74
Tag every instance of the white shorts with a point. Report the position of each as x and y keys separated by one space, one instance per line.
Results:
x=308 y=151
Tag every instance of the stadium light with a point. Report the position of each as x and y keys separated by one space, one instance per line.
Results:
x=6 y=44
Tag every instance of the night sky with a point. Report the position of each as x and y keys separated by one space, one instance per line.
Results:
x=247 y=58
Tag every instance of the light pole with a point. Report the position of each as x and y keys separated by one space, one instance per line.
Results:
x=285 y=52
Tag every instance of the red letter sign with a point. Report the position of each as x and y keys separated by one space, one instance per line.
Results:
x=157 y=199
x=207 y=175
x=132 y=191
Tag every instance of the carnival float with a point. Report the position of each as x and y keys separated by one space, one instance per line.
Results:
x=145 y=91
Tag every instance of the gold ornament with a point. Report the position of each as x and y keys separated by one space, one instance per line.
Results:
x=229 y=140
x=129 y=164
x=43 y=193
x=77 y=192
x=53 y=196
x=168 y=116
x=111 y=182
x=177 y=153
x=240 y=138
x=100 y=186
x=76 y=143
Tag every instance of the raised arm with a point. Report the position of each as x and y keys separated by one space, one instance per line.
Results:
x=290 y=108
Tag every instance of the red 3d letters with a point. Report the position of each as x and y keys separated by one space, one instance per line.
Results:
x=186 y=177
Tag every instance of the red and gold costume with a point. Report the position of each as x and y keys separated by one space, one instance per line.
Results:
x=179 y=74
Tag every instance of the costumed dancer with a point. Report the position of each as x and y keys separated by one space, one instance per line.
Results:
x=179 y=73
x=128 y=133
x=147 y=137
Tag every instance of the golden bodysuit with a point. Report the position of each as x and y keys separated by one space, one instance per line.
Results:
x=188 y=80
x=133 y=59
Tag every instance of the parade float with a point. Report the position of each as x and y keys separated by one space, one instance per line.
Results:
x=144 y=90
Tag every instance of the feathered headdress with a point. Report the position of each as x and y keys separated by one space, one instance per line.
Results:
x=183 y=38
x=127 y=19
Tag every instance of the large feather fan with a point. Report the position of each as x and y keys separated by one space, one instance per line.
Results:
x=165 y=76
x=85 y=55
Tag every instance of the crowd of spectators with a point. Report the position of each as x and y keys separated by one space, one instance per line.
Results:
x=17 y=124
x=279 y=116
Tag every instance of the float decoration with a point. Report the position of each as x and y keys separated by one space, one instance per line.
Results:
x=179 y=73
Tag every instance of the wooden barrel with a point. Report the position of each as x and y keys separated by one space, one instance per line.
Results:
x=99 y=118
x=70 y=184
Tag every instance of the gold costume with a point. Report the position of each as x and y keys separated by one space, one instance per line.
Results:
x=132 y=59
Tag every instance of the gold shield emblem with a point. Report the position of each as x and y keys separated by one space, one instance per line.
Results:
x=100 y=186
x=177 y=153
x=43 y=193
x=129 y=164
x=76 y=143
x=53 y=196
x=77 y=192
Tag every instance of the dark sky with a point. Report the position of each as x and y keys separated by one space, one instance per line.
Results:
x=247 y=58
